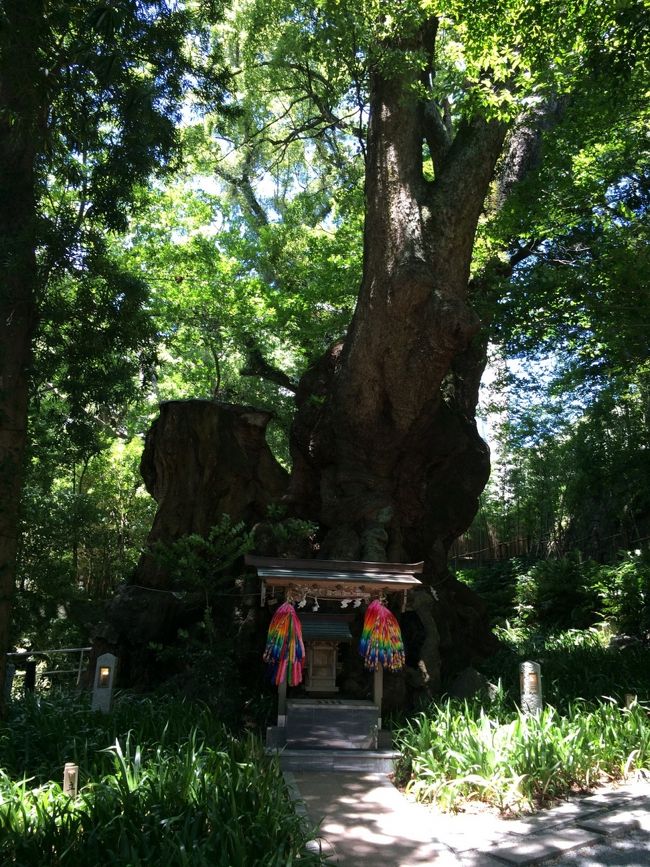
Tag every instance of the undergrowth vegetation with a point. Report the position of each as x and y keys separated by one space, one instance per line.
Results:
x=585 y=623
x=587 y=626
x=457 y=752
x=569 y=592
x=576 y=664
x=161 y=782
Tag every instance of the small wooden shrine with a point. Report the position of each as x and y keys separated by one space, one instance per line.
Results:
x=315 y=603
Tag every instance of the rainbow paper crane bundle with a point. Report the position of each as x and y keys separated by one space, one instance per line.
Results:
x=381 y=640
x=285 y=652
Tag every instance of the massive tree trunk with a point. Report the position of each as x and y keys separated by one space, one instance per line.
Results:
x=202 y=460
x=389 y=460
x=19 y=119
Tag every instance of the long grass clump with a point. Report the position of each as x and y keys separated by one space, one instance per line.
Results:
x=161 y=784
x=454 y=752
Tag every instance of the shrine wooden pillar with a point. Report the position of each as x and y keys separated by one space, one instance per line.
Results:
x=378 y=691
x=282 y=703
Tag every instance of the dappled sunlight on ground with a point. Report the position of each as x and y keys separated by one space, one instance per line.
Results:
x=364 y=816
x=364 y=820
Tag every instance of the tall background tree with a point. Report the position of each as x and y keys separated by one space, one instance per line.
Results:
x=571 y=324
x=89 y=99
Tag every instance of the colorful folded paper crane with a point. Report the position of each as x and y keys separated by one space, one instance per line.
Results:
x=381 y=640
x=285 y=652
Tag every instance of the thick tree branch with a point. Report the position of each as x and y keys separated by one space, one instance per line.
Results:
x=435 y=127
x=314 y=87
x=521 y=160
x=525 y=144
x=522 y=252
x=469 y=165
x=257 y=365
x=242 y=186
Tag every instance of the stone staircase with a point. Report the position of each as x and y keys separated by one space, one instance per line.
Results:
x=335 y=735
x=339 y=761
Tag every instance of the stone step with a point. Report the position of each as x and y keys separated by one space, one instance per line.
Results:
x=333 y=761
x=334 y=724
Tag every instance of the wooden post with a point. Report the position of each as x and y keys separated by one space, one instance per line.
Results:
x=81 y=667
x=10 y=672
x=30 y=675
x=282 y=703
x=70 y=779
x=378 y=691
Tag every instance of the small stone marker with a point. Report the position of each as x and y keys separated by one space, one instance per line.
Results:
x=103 y=685
x=10 y=672
x=70 y=779
x=630 y=700
x=530 y=680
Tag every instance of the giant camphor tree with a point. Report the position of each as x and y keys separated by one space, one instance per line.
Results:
x=386 y=456
x=457 y=98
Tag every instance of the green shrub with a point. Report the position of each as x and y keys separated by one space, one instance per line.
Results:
x=496 y=585
x=161 y=783
x=200 y=561
x=454 y=752
x=558 y=594
x=624 y=591
x=576 y=664
x=567 y=593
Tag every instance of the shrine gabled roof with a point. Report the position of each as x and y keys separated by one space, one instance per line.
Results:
x=282 y=572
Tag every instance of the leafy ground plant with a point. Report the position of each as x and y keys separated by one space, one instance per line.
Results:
x=567 y=593
x=173 y=788
x=454 y=752
x=576 y=664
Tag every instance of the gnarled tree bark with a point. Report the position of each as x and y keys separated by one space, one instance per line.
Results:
x=388 y=456
x=202 y=459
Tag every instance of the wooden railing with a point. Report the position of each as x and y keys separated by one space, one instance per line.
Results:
x=25 y=662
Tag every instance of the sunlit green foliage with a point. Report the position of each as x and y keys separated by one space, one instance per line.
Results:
x=101 y=96
x=217 y=284
x=83 y=526
x=200 y=561
x=454 y=752
x=160 y=782
x=117 y=75
x=567 y=593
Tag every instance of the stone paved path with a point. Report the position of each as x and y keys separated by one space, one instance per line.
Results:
x=364 y=820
